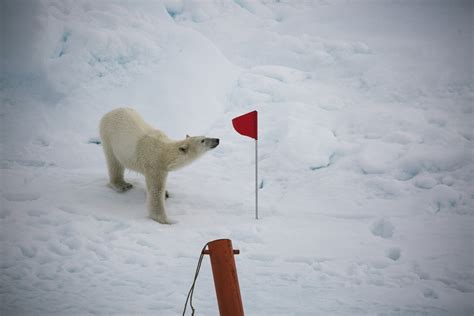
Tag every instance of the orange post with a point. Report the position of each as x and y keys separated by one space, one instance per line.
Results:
x=225 y=277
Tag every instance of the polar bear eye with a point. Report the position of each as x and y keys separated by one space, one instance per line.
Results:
x=202 y=141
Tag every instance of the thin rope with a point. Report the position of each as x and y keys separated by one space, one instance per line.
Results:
x=191 y=290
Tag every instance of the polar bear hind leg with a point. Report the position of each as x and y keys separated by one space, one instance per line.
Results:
x=115 y=171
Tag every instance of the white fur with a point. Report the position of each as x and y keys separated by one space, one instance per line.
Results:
x=129 y=142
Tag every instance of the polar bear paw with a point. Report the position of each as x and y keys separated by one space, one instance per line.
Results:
x=121 y=186
x=162 y=219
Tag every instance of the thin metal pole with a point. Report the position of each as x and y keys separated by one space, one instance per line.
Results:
x=256 y=179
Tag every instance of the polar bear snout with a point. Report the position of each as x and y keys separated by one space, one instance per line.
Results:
x=213 y=142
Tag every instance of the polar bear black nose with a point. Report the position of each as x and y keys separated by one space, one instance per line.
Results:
x=214 y=142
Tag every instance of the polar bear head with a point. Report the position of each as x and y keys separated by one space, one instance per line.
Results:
x=191 y=149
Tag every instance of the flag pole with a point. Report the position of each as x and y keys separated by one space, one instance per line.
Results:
x=256 y=179
x=247 y=125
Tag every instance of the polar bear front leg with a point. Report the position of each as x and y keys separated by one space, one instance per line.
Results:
x=155 y=184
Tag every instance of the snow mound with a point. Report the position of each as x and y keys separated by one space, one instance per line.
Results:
x=92 y=61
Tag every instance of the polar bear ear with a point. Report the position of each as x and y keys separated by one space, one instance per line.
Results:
x=183 y=149
x=187 y=136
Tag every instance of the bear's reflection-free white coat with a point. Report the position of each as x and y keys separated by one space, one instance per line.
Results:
x=129 y=142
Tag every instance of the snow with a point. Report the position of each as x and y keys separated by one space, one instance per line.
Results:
x=365 y=155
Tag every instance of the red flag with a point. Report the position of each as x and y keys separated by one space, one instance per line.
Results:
x=247 y=124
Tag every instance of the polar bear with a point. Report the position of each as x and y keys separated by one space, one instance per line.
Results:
x=129 y=142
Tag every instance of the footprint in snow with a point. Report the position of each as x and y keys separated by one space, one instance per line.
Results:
x=382 y=228
x=393 y=253
x=73 y=268
x=430 y=293
x=28 y=251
